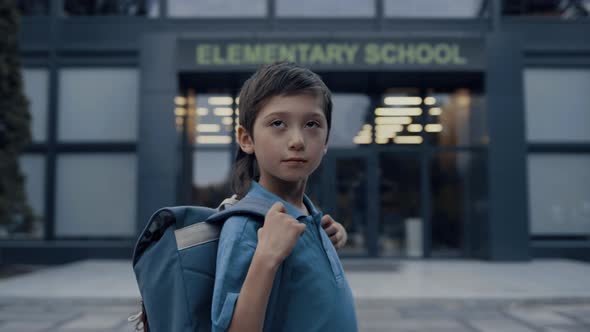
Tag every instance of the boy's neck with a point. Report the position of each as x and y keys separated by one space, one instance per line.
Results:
x=291 y=192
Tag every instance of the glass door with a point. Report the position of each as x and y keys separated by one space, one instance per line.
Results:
x=347 y=197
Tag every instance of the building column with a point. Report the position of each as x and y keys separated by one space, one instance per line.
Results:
x=507 y=235
x=158 y=150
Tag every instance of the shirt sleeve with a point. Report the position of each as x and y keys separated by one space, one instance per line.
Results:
x=234 y=255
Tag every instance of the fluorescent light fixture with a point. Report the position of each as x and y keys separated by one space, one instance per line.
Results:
x=179 y=111
x=408 y=140
x=382 y=140
x=367 y=127
x=393 y=120
x=429 y=100
x=389 y=127
x=208 y=128
x=228 y=120
x=398 y=111
x=237 y=100
x=434 y=128
x=179 y=121
x=204 y=139
x=223 y=111
x=435 y=111
x=362 y=140
x=237 y=111
x=202 y=111
x=402 y=100
x=220 y=101
x=415 y=128
x=180 y=101
x=386 y=134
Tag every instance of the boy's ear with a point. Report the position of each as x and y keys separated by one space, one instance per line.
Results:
x=245 y=140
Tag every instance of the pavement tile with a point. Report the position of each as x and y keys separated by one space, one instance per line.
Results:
x=580 y=313
x=129 y=329
x=377 y=313
x=95 y=321
x=496 y=325
x=412 y=324
x=23 y=326
x=36 y=317
x=540 y=316
x=568 y=329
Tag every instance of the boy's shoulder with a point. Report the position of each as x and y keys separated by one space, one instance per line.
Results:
x=241 y=228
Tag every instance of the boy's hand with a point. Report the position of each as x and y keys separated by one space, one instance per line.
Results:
x=335 y=231
x=278 y=236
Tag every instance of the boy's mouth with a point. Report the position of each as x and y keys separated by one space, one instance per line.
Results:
x=295 y=160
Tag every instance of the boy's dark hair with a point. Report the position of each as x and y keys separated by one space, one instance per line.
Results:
x=277 y=79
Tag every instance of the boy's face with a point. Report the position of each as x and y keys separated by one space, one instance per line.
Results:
x=289 y=138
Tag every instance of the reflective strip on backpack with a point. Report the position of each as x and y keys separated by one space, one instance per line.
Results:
x=196 y=234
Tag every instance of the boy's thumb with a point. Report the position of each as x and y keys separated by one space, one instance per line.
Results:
x=277 y=207
x=301 y=227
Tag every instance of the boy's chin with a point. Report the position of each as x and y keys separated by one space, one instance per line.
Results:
x=293 y=178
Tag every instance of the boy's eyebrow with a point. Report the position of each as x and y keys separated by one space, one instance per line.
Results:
x=286 y=113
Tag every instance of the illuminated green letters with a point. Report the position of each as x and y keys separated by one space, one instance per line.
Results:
x=331 y=53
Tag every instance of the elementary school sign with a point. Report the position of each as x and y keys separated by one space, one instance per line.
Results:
x=459 y=54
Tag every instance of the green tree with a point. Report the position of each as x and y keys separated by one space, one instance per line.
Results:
x=15 y=132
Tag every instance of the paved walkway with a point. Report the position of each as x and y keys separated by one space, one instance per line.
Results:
x=416 y=296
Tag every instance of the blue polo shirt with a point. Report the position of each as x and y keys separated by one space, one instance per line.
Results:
x=309 y=292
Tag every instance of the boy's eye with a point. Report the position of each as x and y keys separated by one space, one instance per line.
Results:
x=313 y=124
x=277 y=124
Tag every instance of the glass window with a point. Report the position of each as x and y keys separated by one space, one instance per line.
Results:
x=556 y=103
x=351 y=202
x=96 y=195
x=401 y=225
x=36 y=90
x=566 y=9
x=350 y=113
x=33 y=7
x=146 y=8
x=216 y=117
x=459 y=202
x=211 y=177
x=433 y=8
x=559 y=195
x=456 y=119
x=98 y=104
x=325 y=8
x=398 y=118
x=218 y=8
x=32 y=168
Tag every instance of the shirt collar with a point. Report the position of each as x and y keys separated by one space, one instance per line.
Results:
x=256 y=190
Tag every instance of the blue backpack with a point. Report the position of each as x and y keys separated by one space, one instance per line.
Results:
x=174 y=263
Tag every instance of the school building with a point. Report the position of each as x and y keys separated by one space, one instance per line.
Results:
x=461 y=128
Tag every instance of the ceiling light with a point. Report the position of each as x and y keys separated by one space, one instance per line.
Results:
x=403 y=100
x=393 y=120
x=408 y=140
x=213 y=139
x=220 y=100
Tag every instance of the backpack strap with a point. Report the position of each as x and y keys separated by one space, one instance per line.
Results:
x=253 y=206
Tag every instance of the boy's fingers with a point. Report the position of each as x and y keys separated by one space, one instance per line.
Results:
x=335 y=238
x=331 y=230
x=300 y=227
x=327 y=221
x=277 y=207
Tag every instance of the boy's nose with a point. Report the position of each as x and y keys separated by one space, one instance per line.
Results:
x=296 y=141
